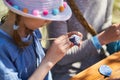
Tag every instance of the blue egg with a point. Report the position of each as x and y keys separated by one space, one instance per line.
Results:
x=75 y=39
x=105 y=70
x=55 y=11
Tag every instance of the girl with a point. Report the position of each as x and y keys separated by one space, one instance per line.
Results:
x=21 y=54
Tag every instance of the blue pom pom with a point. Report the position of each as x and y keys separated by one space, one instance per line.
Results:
x=55 y=11
x=75 y=39
x=105 y=70
x=16 y=7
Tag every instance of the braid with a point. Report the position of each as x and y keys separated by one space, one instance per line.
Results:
x=17 y=37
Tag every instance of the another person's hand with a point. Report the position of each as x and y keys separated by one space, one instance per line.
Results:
x=109 y=35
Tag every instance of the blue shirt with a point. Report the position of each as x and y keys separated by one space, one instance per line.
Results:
x=19 y=63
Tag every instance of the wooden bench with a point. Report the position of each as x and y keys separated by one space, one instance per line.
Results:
x=92 y=73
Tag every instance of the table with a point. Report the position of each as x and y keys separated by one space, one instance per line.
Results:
x=92 y=73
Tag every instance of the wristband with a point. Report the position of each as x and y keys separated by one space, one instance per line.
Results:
x=96 y=42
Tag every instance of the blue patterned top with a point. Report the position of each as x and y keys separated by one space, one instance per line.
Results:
x=19 y=63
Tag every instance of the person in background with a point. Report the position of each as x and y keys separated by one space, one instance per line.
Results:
x=98 y=13
x=113 y=47
x=21 y=54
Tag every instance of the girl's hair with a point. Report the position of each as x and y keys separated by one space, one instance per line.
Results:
x=16 y=36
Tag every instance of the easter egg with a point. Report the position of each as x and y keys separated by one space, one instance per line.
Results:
x=105 y=70
x=75 y=39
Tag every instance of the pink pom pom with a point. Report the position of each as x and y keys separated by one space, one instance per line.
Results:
x=36 y=12
x=45 y=12
x=64 y=4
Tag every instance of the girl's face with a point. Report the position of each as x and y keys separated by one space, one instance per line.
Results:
x=33 y=24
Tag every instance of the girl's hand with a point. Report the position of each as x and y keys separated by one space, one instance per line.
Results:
x=58 y=49
x=60 y=46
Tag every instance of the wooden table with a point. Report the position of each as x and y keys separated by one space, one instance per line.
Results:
x=92 y=73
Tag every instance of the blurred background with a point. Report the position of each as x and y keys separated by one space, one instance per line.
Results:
x=116 y=11
x=3 y=9
x=115 y=14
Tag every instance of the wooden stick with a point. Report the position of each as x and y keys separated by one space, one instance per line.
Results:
x=47 y=38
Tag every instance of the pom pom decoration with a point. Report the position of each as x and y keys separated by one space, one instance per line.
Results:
x=65 y=4
x=25 y=10
x=75 y=39
x=61 y=8
x=45 y=12
x=36 y=12
x=16 y=7
x=55 y=11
